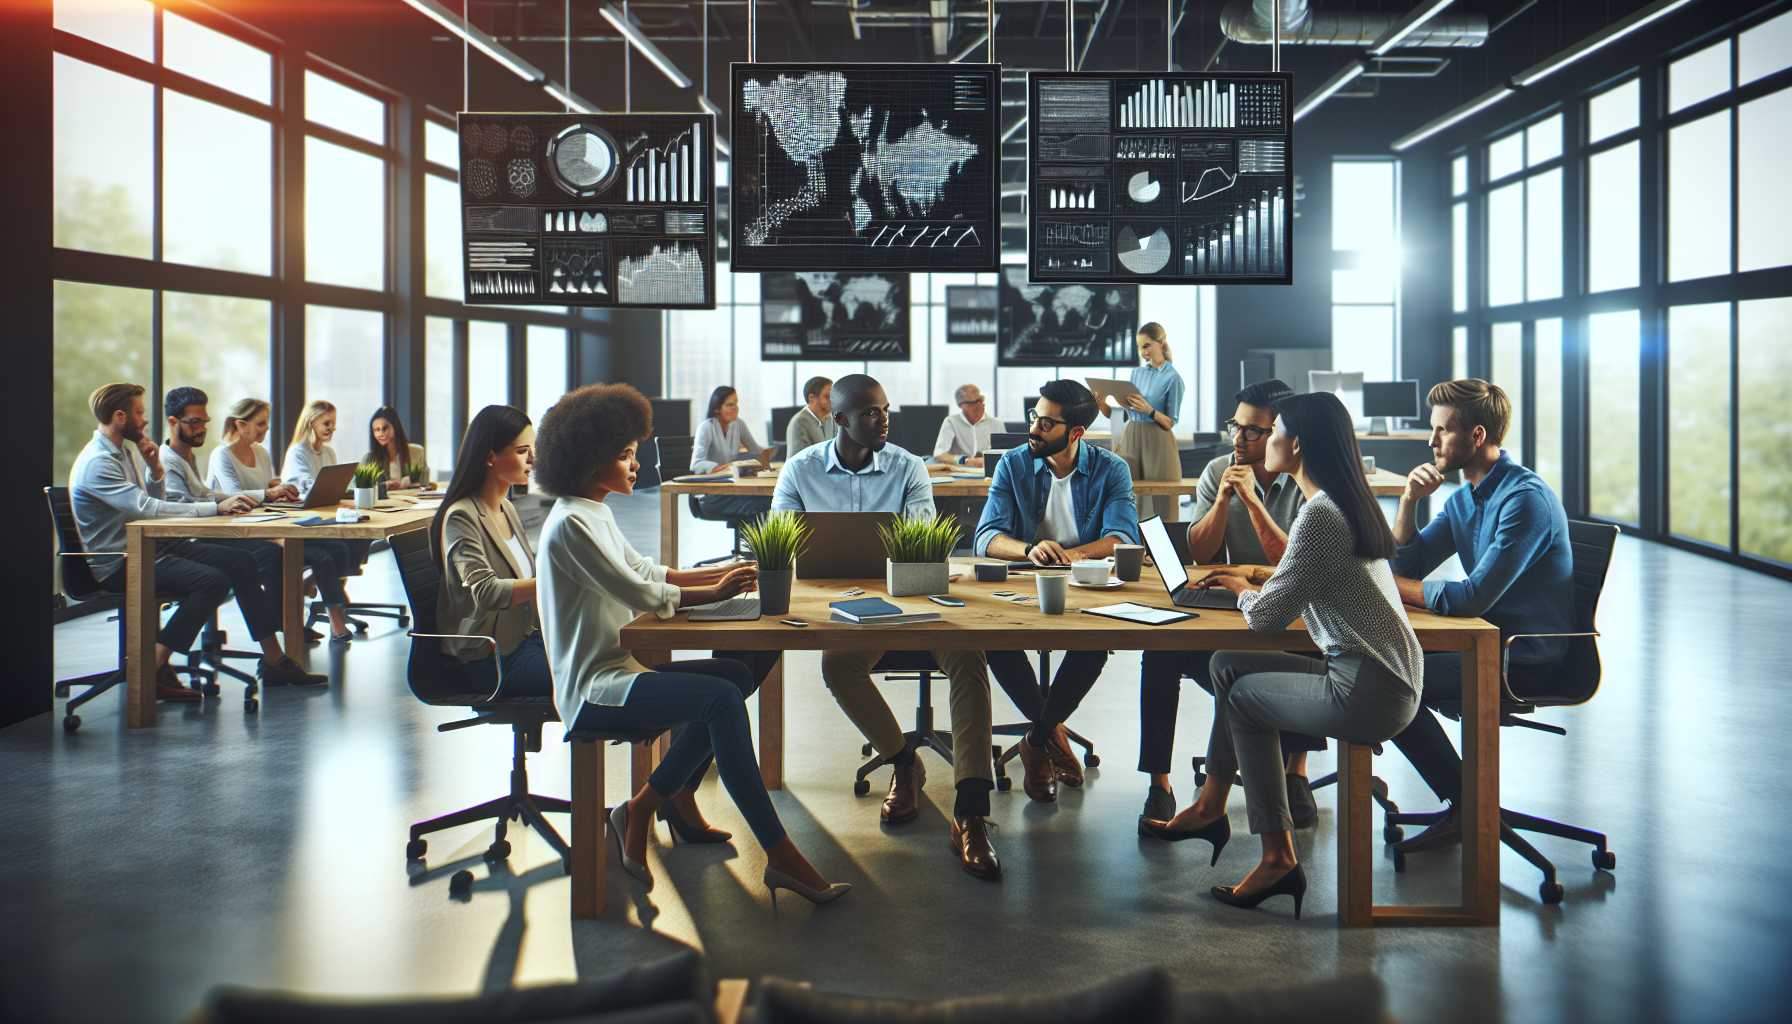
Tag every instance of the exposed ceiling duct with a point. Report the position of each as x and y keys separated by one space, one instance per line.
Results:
x=1253 y=21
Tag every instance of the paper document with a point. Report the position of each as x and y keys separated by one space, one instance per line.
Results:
x=1144 y=614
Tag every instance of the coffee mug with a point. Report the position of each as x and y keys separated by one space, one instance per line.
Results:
x=1054 y=587
x=1129 y=559
x=1090 y=572
x=990 y=572
x=1368 y=465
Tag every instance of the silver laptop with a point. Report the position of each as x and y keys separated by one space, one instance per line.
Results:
x=843 y=546
x=1175 y=577
x=329 y=490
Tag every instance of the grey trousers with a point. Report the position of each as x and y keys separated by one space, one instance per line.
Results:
x=1259 y=694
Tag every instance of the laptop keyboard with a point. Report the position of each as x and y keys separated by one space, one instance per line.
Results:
x=745 y=606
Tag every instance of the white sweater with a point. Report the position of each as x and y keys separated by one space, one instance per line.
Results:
x=303 y=463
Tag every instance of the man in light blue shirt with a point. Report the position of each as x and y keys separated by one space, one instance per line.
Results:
x=860 y=472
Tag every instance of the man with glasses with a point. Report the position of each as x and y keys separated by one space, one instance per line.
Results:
x=1242 y=516
x=966 y=434
x=1051 y=503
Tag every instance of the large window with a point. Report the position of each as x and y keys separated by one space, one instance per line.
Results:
x=219 y=345
x=345 y=364
x=1546 y=402
x=345 y=216
x=1507 y=370
x=1524 y=215
x=217 y=200
x=547 y=370
x=488 y=365
x=1699 y=422
x=102 y=335
x=439 y=436
x=104 y=148
x=1614 y=208
x=1365 y=267
x=1764 y=432
x=1613 y=360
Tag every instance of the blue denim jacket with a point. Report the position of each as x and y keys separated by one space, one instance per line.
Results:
x=1100 y=494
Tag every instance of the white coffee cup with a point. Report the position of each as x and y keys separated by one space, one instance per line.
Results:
x=347 y=515
x=1368 y=465
x=1054 y=587
x=1090 y=572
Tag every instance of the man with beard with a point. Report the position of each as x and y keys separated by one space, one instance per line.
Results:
x=1051 y=503
x=1511 y=534
x=118 y=478
x=860 y=472
x=1242 y=516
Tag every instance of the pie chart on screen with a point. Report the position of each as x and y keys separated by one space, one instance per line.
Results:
x=1143 y=256
x=1142 y=189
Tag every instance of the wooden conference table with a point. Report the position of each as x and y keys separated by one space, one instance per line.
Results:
x=1382 y=483
x=143 y=612
x=987 y=622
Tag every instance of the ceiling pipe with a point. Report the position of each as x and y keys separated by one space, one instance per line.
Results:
x=1253 y=22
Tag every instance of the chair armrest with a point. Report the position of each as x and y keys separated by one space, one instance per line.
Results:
x=93 y=554
x=492 y=640
x=1545 y=636
x=1505 y=683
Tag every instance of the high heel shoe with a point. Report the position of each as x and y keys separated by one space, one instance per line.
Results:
x=1294 y=884
x=775 y=880
x=1217 y=832
x=619 y=828
x=684 y=832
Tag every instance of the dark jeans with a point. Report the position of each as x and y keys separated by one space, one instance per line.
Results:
x=321 y=559
x=759 y=665
x=1160 y=693
x=329 y=561
x=1077 y=672
x=525 y=670
x=706 y=693
x=1425 y=743
x=201 y=577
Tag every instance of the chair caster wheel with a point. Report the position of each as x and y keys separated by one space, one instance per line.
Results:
x=71 y=722
x=1091 y=760
x=1393 y=833
x=251 y=705
x=497 y=851
x=211 y=689
x=865 y=750
x=1400 y=861
x=61 y=690
x=1605 y=860
x=861 y=787
x=1551 y=892
x=460 y=886
x=415 y=849
x=404 y=622
x=1004 y=784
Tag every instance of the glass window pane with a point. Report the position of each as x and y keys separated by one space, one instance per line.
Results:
x=763 y=385
x=1699 y=198
x=1366 y=221
x=488 y=366
x=1371 y=279
x=699 y=349
x=1507 y=370
x=345 y=364
x=220 y=345
x=1546 y=404
x=1764 y=210
x=1614 y=110
x=1543 y=236
x=345 y=216
x=1766 y=48
x=547 y=369
x=1699 y=76
x=441 y=238
x=1363 y=339
x=102 y=335
x=439 y=437
x=1459 y=353
x=226 y=62
x=440 y=144
x=1699 y=422
x=103 y=154
x=1459 y=257
x=1613 y=344
x=217 y=189
x=127 y=25
x=329 y=102
x=1505 y=245
x=1765 y=364
x=1459 y=175
x=1505 y=156
x=1614 y=204
x=1543 y=141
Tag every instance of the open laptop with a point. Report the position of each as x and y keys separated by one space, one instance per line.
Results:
x=1175 y=576
x=843 y=546
x=332 y=484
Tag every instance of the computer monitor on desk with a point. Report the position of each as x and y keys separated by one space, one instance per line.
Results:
x=1386 y=400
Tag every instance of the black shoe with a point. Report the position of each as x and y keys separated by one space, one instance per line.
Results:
x=685 y=832
x=1160 y=803
x=1294 y=884
x=1300 y=802
x=1217 y=832
x=312 y=636
x=341 y=639
x=286 y=672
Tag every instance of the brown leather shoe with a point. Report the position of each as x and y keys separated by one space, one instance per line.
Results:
x=971 y=845
x=1064 y=759
x=903 y=802
x=1039 y=779
x=168 y=687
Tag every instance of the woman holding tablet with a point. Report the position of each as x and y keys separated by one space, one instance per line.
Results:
x=1145 y=430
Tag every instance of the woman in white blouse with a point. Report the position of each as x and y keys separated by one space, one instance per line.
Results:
x=591 y=583
x=724 y=438
x=1365 y=686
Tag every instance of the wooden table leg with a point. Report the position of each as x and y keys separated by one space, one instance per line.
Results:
x=1355 y=850
x=143 y=619
x=668 y=528
x=292 y=599
x=771 y=726
x=1481 y=780
x=588 y=848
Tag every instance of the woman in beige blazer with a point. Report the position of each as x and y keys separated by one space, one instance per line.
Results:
x=486 y=562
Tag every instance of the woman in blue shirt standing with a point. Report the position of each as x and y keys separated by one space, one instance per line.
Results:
x=1146 y=435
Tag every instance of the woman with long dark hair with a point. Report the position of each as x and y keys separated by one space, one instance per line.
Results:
x=1363 y=688
x=391 y=449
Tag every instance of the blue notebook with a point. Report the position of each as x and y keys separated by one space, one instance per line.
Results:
x=862 y=608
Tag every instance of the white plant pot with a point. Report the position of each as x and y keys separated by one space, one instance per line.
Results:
x=916 y=579
x=365 y=497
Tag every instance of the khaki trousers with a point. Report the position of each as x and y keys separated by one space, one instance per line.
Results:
x=848 y=677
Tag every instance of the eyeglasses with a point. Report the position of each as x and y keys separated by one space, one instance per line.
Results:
x=194 y=421
x=1044 y=421
x=1251 y=434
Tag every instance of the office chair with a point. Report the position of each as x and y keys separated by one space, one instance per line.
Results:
x=920 y=427
x=671 y=416
x=319 y=612
x=898 y=666
x=1571 y=681
x=435 y=679
x=80 y=584
x=1090 y=758
x=213 y=657
x=675 y=461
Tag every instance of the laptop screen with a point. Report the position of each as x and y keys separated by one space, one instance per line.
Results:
x=1163 y=552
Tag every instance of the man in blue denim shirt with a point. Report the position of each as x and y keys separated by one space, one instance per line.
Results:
x=1510 y=533
x=1053 y=502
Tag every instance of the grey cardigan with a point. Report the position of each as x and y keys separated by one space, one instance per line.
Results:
x=478 y=580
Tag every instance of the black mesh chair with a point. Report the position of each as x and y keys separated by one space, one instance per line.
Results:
x=899 y=666
x=436 y=679
x=80 y=584
x=675 y=461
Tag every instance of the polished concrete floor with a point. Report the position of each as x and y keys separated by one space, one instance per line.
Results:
x=142 y=868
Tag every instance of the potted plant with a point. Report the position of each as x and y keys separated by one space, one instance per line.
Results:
x=916 y=553
x=368 y=477
x=777 y=541
x=418 y=474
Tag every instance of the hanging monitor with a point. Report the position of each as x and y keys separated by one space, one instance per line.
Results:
x=970 y=314
x=865 y=167
x=1160 y=178
x=589 y=209
x=1069 y=324
x=827 y=315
